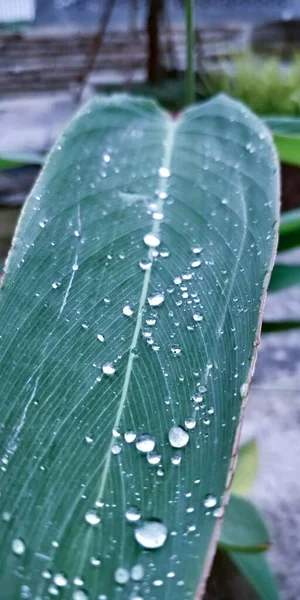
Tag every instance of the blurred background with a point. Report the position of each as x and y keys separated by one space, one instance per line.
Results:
x=55 y=54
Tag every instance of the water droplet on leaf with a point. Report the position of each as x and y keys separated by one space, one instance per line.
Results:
x=151 y=534
x=178 y=437
x=121 y=576
x=145 y=443
x=127 y=310
x=156 y=298
x=108 y=368
x=18 y=546
x=210 y=501
x=151 y=240
x=92 y=518
x=132 y=514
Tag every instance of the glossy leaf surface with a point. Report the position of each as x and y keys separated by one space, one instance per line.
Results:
x=131 y=305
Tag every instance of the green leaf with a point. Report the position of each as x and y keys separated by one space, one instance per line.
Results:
x=103 y=335
x=246 y=469
x=279 y=326
x=243 y=529
x=288 y=148
x=289 y=232
x=284 y=276
x=11 y=161
x=289 y=126
x=257 y=571
x=286 y=134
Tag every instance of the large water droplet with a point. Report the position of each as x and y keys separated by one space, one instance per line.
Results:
x=197 y=249
x=60 y=579
x=145 y=264
x=164 y=172
x=151 y=534
x=153 y=458
x=92 y=518
x=196 y=263
x=121 y=576
x=18 y=546
x=137 y=573
x=210 y=501
x=79 y=595
x=6 y=516
x=190 y=423
x=95 y=561
x=218 y=512
x=151 y=240
x=127 y=310
x=176 y=350
x=108 y=368
x=47 y=574
x=145 y=443
x=176 y=459
x=244 y=390
x=201 y=388
x=53 y=591
x=151 y=320
x=157 y=216
x=197 y=317
x=197 y=398
x=129 y=436
x=178 y=437
x=132 y=514
x=156 y=298
x=116 y=449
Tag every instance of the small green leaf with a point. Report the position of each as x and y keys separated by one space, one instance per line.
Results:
x=284 y=125
x=288 y=148
x=286 y=135
x=278 y=326
x=11 y=161
x=246 y=469
x=289 y=232
x=256 y=570
x=243 y=528
x=284 y=276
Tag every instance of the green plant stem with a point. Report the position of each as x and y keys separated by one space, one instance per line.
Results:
x=190 y=45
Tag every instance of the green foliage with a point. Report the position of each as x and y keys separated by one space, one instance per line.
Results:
x=243 y=528
x=100 y=339
x=262 y=84
x=280 y=326
x=257 y=571
x=289 y=232
x=10 y=161
x=244 y=535
x=284 y=276
x=246 y=469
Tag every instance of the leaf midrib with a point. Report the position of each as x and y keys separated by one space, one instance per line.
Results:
x=171 y=127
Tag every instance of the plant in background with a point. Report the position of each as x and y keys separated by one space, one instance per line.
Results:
x=262 y=83
x=130 y=313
